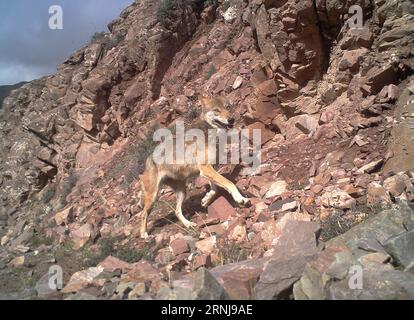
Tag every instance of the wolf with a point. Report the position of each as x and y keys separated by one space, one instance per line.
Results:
x=214 y=115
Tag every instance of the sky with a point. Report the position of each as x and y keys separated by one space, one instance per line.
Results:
x=29 y=49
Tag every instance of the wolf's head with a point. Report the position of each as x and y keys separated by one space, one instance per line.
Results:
x=215 y=112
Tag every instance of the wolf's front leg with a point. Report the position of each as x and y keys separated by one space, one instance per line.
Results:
x=215 y=178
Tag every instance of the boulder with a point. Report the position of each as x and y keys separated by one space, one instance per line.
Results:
x=401 y=248
x=239 y=279
x=355 y=265
x=293 y=250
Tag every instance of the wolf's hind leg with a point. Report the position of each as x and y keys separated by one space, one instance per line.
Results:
x=181 y=192
x=150 y=180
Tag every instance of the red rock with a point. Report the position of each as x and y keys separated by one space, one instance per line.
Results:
x=290 y=206
x=356 y=38
x=221 y=209
x=266 y=134
x=239 y=279
x=242 y=184
x=268 y=88
x=207 y=221
x=352 y=59
x=179 y=246
x=389 y=93
x=378 y=77
x=111 y=264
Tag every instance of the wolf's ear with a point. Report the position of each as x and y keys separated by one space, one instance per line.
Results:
x=203 y=98
x=225 y=102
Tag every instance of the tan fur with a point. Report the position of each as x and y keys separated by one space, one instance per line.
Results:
x=176 y=176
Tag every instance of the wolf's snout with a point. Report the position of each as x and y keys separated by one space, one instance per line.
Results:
x=231 y=121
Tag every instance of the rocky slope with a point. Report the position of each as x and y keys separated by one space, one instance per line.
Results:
x=336 y=108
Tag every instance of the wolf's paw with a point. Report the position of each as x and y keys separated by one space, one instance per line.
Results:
x=190 y=225
x=244 y=202
x=144 y=235
x=206 y=201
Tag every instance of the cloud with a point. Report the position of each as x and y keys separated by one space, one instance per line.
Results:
x=29 y=49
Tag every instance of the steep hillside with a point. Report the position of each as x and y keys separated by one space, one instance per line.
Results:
x=335 y=105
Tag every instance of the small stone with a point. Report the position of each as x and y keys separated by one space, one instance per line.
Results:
x=207 y=245
x=230 y=15
x=276 y=189
x=237 y=83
